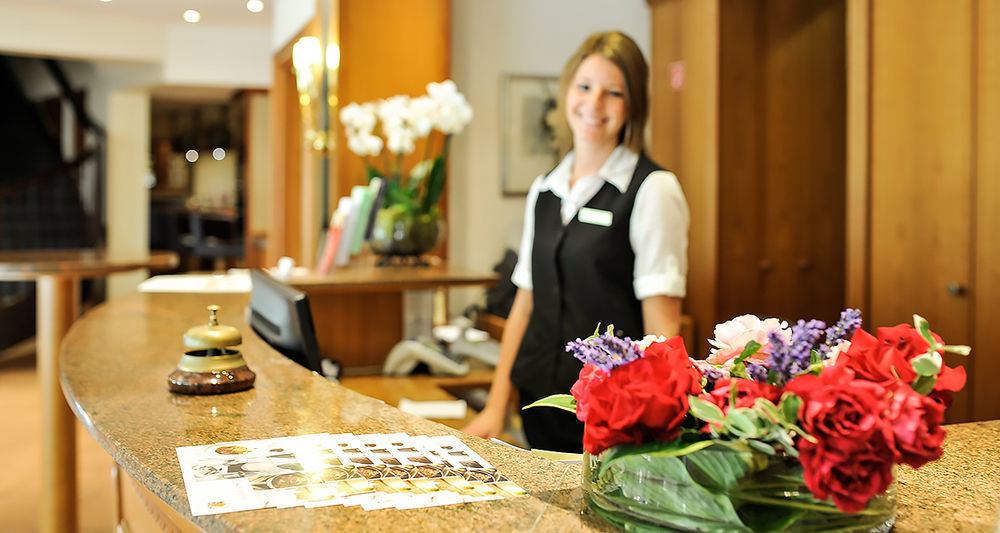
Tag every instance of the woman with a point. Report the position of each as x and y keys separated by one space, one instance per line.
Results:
x=605 y=242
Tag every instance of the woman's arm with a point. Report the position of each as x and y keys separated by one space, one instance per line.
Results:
x=661 y=315
x=490 y=422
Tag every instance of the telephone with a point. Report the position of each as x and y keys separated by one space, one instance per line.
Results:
x=407 y=354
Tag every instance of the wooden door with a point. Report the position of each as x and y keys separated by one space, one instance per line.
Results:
x=781 y=162
x=922 y=158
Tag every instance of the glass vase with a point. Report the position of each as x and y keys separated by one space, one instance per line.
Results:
x=401 y=236
x=718 y=489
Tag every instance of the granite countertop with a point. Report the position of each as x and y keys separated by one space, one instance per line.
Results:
x=115 y=361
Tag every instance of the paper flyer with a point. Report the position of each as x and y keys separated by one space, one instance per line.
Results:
x=374 y=471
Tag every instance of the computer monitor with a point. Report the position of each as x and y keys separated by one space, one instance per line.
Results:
x=281 y=316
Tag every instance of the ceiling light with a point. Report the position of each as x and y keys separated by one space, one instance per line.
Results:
x=255 y=6
x=191 y=156
x=192 y=16
x=105 y=1
x=219 y=154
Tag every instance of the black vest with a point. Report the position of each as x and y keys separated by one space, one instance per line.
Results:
x=582 y=275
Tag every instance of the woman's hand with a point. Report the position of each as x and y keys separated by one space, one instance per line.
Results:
x=487 y=424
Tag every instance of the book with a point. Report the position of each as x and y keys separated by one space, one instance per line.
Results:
x=333 y=235
x=343 y=254
x=364 y=206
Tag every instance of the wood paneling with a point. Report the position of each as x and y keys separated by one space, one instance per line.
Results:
x=921 y=168
x=757 y=138
x=858 y=202
x=782 y=105
x=685 y=128
x=284 y=233
x=389 y=47
x=986 y=355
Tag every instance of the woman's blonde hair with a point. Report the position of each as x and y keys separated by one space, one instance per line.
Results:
x=621 y=50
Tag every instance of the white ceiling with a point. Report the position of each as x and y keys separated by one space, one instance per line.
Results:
x=213 y=12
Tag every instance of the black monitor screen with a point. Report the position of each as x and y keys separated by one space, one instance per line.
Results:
x=281 y=316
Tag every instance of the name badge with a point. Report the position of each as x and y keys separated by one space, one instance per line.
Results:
x=597 y=217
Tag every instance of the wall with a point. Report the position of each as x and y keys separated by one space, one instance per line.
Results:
x=490 y=40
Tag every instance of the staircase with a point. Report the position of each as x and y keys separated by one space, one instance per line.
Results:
x=41 y=187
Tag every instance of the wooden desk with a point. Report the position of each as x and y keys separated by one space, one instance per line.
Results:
x=125 y=404
x=422 y=388
x=58 y=274
x=358 y=310
x=116 y=384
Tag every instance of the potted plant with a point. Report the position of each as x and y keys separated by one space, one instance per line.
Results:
x=408 y=221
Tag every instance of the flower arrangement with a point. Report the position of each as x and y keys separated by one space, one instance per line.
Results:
x=403 y=121
x=779 y=427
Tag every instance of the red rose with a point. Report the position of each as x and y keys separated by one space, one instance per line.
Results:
x=873 y=360
x=747 y=392
x=916 y=426
x=853 y=456
x=886 y=359
x=589 y=375
x=850 y=477
x=644 y=400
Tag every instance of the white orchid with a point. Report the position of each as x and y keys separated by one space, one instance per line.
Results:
x=402 y=121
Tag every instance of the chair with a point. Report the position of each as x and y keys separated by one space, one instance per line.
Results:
x=216 y=235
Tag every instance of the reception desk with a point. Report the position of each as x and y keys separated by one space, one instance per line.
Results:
x=115 y=361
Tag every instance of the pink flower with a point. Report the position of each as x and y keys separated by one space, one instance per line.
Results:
x=732 y=337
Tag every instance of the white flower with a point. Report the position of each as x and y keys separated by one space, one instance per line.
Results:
x=364 y=144
x=647 y=340
x=400 y=141
x=422 y=113
x=453 y=112
x=831 y=358
x=359 y=117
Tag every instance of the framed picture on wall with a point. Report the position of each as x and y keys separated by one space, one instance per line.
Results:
x=528 y=143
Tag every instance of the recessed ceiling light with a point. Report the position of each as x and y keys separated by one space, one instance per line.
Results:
x=106 y=1
x=255 y=6
x=219 y=154
x=191 y=155
x=192 y=16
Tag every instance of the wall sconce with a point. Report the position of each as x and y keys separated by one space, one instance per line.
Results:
x=316 y=85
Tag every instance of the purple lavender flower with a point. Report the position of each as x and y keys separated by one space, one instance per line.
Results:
x=712 y=375
x=850 y=321
x=604 y=351
x=757 y=372
x=788 y=360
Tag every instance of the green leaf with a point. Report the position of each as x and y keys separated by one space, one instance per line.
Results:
x=741 y=422
x=761 y=446
x=566 y=402
x=789 y=406
x=666 y=481
x=959 y=349
x=924 y=328
x=720 y=467
x=675 y=448
x=924 y=384
x=435 y=183
x=751 y=348
x=768 y=408
x=704 y=410
x=927 y=364
x=767 y=518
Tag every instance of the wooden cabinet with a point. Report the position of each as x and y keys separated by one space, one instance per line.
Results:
x=835 y=153
x=749 y=112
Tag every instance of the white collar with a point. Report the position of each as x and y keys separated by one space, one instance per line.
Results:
x=616 y=170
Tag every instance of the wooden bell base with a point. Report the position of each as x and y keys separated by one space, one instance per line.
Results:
x=211 y=382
